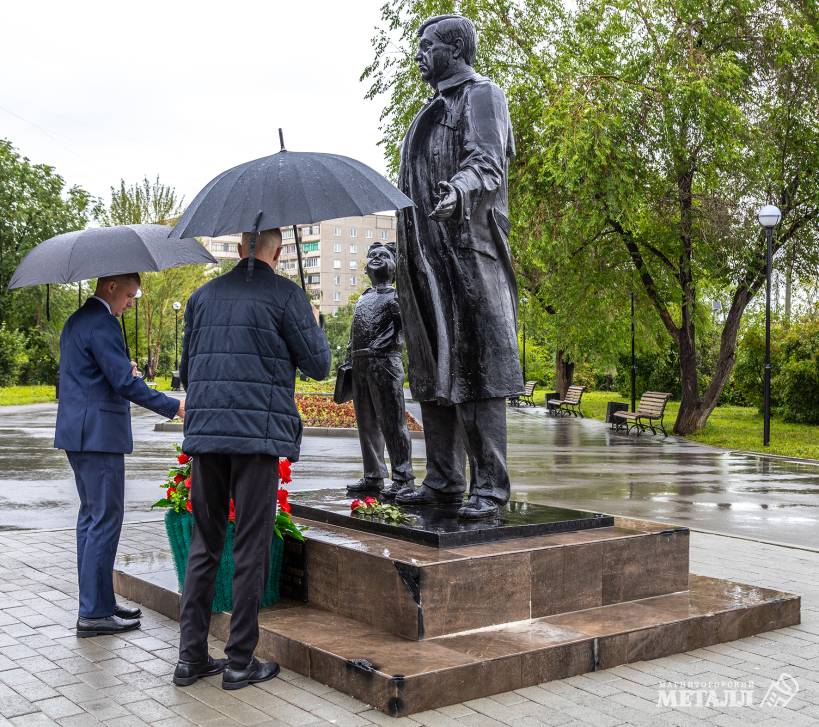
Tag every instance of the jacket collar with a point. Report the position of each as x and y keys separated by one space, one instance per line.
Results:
x=467 y=74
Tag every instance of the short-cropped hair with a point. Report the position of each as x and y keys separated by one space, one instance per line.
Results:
x=388 y=246
x=122 y=277
x=268 y=239
x=449 y=28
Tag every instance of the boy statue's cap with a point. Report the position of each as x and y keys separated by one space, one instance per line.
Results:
x=389 y=245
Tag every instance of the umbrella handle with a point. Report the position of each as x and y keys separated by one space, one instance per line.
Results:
x=251 y=254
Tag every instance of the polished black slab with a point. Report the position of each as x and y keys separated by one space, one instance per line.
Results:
x=440 y=526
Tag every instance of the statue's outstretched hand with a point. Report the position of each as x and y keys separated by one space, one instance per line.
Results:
x=447 y=202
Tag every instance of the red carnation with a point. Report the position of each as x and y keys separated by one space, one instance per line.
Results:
x=169 y=492
x=355 y=504
x=188 y=483
x=178 y=478
x=284 y=471
x=232 y=511
x=282 y=498
x=370 y=501
x=183 y=458
x=189 y=506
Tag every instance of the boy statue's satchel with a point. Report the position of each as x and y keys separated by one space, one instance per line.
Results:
x=344 y=383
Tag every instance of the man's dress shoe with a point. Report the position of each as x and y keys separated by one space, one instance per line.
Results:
x=365 y=484
x=127 y=611
x=425 y=495
x=255 y=672
x=186 y=673
x=104 y=626
x=478 y=508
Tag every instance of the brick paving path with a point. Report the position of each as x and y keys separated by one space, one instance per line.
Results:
x=47 y=676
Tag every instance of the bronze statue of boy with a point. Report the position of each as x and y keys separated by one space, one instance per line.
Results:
x=378 y=378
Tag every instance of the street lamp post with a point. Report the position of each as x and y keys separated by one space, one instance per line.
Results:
x=176 y=306
x=524 y=300
x=633 y=361
x=136 y=324
x=768 y=217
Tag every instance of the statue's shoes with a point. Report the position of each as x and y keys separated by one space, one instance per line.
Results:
x=478 y=508
x=365 y=484
x=425 y=495
x=397 y=486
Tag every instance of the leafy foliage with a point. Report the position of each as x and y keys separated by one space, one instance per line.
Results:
x=648 y=131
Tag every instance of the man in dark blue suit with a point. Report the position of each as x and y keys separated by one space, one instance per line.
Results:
x=97 y=382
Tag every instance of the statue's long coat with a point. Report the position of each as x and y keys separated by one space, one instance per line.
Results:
x=455 y=280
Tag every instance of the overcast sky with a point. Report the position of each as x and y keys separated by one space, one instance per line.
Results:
x=110 y=90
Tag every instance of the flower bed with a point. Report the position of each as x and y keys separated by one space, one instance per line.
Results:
x=322 y=411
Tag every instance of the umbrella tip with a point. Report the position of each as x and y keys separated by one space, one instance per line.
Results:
x=281 y=140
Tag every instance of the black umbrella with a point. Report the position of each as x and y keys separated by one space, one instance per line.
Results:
x=287 y=188
x=91 y=253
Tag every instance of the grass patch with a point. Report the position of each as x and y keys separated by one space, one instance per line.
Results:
x=18 y=395
x=732 y=427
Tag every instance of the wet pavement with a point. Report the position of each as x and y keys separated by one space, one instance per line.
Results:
x=562 y=462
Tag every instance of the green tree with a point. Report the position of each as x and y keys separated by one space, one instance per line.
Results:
x=34 y=206
x=153 y=203
x=648 y=131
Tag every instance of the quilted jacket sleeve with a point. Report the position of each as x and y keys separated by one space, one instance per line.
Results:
x=308 y=346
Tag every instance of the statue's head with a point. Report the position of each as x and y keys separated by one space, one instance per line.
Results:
x=381 y=263
x=446 y=45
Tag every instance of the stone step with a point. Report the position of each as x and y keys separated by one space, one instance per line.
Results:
x=401 y=676
x=421 y=592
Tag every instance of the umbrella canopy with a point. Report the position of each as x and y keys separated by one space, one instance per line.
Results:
x=288 y=188
x=94 y=252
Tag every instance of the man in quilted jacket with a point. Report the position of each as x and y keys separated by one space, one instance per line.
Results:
x=245 y=336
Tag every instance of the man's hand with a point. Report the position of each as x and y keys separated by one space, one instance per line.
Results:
x=181 y=411
x=447 y=202
x=135 y=372
x=316 y=312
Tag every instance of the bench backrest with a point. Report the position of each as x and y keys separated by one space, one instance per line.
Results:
x=652 y=404
x=529 y=389
x=574 y=394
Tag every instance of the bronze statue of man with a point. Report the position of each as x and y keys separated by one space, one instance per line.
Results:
x=456 y=285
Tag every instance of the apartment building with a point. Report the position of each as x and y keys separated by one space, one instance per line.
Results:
x=334 y=253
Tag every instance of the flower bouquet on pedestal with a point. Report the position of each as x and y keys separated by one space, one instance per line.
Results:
x=179 y=526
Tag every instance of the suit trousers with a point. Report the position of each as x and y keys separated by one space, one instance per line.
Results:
x=475 y=430
x=252 y=481
x=378 y=400
x=100 y=478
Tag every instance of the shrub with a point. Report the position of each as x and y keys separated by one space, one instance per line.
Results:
x=41 y=365
x=12 y=355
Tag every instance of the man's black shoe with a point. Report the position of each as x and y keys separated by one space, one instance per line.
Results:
x=186 y=673
x=425 y=495
x=478 y=508
x=389 y=493
x=104 y=626
x=127 y=611
x=365 y=484
x=255 y=672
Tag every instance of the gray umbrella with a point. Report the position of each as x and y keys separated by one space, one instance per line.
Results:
x=86 y=254
x=287 y=188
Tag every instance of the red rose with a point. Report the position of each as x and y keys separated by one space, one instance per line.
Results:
x=282 y=498
x=370 y=501
x=189 y=506
x=178 y=478
x=188 y=483
x=355 y=504
x=284 y=471
x=183 y=458
x=169 y=493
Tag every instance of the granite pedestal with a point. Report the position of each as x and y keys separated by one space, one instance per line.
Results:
x=406 y=626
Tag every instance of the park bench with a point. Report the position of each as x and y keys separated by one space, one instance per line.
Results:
x=526 y=397
x=650 y=411
x=569 y=404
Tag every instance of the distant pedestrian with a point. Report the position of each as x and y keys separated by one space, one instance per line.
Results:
x=244 y=338
x=97 y=382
